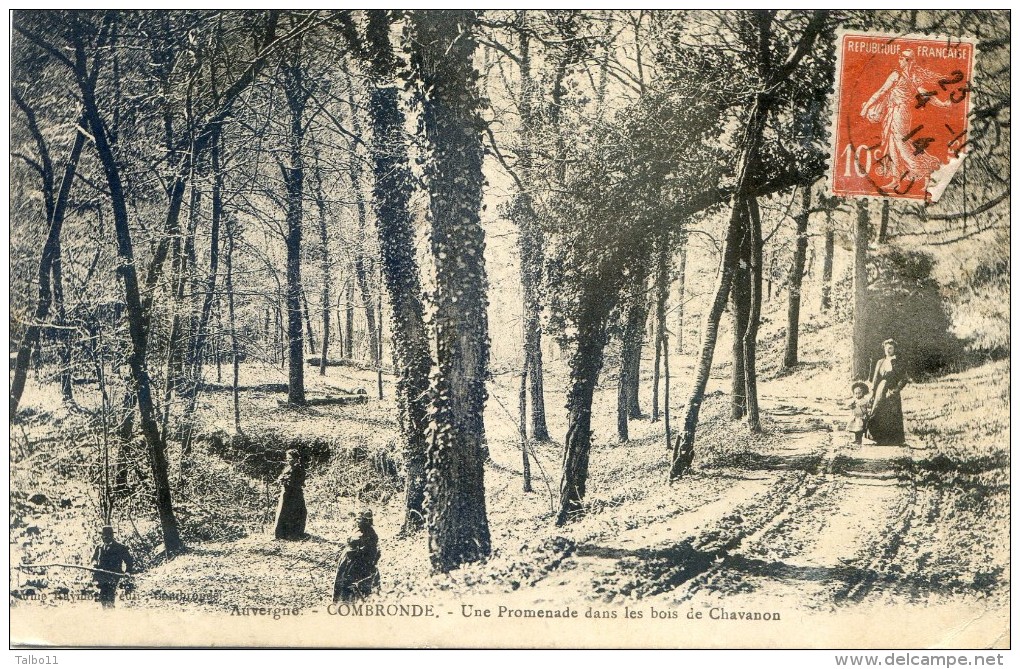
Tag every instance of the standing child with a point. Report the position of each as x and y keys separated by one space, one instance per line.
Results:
x=860 y=407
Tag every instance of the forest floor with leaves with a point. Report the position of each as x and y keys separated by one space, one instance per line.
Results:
x=797 y=520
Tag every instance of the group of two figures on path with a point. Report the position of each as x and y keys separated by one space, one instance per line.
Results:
x=357 y=574
x=880 y=414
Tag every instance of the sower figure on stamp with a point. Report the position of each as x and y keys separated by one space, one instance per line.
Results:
x=357 y=575
x=112 y=558
x=292 y=513
x=892 y=106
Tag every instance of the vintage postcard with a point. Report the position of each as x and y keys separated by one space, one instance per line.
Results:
x=510 y=329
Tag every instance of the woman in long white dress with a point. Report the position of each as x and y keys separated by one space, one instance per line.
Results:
x=892 y=105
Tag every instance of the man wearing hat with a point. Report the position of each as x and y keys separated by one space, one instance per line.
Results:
x=357 y=575
x=111 y=558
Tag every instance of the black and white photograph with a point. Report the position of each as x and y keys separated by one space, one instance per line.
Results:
x=510 y=328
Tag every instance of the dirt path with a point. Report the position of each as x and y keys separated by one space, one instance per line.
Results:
x=816 y=522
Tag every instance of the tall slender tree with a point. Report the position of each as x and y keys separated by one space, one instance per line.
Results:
x=797 y=281
x=297 y=93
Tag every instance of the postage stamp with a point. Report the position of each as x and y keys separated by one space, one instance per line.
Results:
x=901 y=113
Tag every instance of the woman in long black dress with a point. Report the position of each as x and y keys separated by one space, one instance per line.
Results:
x=291 y=513
x=886 y=423
x=357 y=574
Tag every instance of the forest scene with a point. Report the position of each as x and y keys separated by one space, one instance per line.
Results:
x=550 y=307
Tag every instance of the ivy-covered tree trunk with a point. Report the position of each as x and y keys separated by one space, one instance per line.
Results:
x=796 y=281
x=442 y=53
x=740 y=306
x=392 y=192
x=585 y=365
x=293 y=177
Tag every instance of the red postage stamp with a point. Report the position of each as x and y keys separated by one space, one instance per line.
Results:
x=901 y=109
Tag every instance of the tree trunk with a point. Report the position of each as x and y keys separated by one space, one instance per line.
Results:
x=585 y=365
x=740 y=304
x=392 y=191
x=349 y=319
x=174 y=378
x=379 y=337
x=522 y=408
x=136 y=318
x=63 y=332
x=49 y=265
x=750 y=336
x=443 y=51
x=662 y=284
x=293 y=175
x=234 y=355
x=634 y=373
x=796 y=281
x=630 y=358
x=201 y=333
x=861 y=362
x=622 y=388
x=665 y=388
x=362 y=266
x=681 y=296
x=320 y=202
x=830 y=245
x=531 y=244
x=306 y=313
x=214 y=259
x=883 y=227
x=630 y=355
